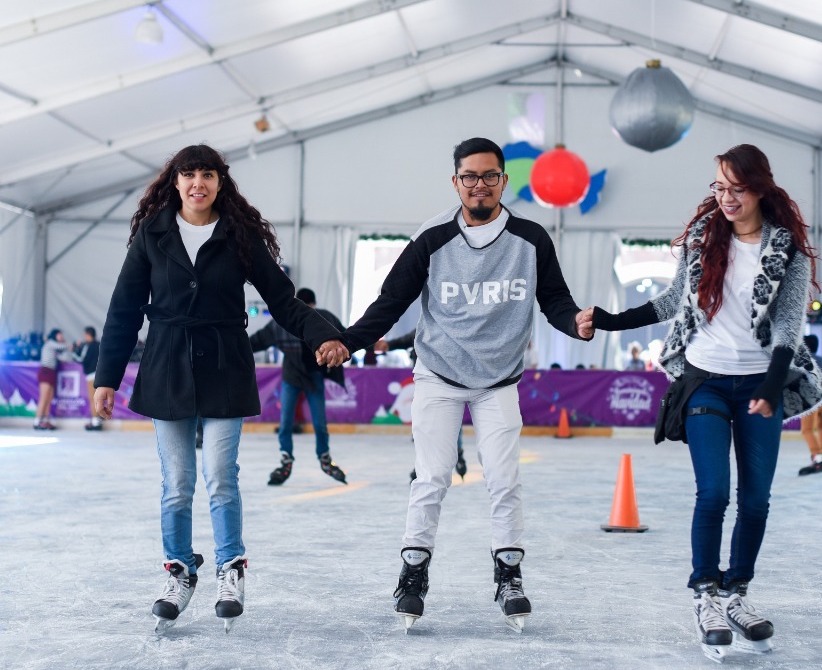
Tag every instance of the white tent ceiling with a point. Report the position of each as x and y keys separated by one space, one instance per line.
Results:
x=87 y=112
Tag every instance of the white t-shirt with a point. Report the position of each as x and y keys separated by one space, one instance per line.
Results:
x=194 y=236
x=479 y=236
x=726 y=345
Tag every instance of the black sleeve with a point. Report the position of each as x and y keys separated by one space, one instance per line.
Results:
x=553 y=296
x=125 y=316
x=403 y=341
x=636 y=317
x=287 y=310
x=402 y=286
x=771 y=387
x=263 y=338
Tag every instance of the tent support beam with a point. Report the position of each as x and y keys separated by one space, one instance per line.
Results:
x=766 y=16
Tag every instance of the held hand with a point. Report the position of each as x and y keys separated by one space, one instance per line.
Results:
x=381 y=346
x=332 y=353
x=104 y=402
x=585 y=323
x=760 y=406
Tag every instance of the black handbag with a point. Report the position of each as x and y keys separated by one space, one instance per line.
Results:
x=670 y=420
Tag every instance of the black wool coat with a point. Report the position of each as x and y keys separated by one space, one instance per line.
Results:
x=197 y=357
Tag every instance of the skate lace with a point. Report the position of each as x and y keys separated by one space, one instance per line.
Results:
x=710 y=613
x=412 y=583
x=228 y=585
x=510 y=585
x=743 y=612
x=175 y=591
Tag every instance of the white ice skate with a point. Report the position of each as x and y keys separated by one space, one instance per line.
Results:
x=752 y=632
x=409 y=596
x=231 y=591
x=176 y=595
x=508 y=578
x=714 y=633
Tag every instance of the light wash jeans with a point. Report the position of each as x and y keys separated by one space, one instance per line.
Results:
x=178 y=465
x=316 y=403
x=756 y=447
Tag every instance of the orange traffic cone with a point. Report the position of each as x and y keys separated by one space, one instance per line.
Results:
x=563 y=427
x=624 y=512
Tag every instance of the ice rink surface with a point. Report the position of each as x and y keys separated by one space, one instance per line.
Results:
x=80 y=539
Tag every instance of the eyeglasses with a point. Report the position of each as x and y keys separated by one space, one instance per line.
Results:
x=471 y=180
x=735 y=191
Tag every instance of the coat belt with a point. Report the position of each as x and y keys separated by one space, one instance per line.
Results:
x=186 y=322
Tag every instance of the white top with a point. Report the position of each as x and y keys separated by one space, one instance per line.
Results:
x=726 y=345
x=479 y=236
x=194 y=236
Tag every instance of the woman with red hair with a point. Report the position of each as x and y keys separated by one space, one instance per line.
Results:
x=738 y=304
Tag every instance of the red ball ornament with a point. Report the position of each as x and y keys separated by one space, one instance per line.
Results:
x=559 y=178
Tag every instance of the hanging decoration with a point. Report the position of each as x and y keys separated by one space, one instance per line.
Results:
x=559 y=178
x=591 y=198
x=652 y=109
x=519 y=161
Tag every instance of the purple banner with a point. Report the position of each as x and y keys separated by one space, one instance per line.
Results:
x=379 y=395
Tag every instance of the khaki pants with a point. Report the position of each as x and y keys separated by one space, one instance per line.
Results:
x=90 y=386
x=811 y=428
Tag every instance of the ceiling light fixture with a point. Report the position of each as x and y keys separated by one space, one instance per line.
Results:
x=149 y=30
x=262 y=124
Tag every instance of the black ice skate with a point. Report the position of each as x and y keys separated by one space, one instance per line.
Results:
x=813 y=468
x=231 y=590
x=282 y=473
x=508 y=578
x=331 y=468
x=409 y=598
x=461 y=468
x=752 y=633
x=177 y=592
x=715 y=635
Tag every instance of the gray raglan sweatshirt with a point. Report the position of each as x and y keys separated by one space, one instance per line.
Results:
x=477 y=304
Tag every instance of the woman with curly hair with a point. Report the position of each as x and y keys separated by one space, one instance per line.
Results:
x=738 y=303
x=194 y=243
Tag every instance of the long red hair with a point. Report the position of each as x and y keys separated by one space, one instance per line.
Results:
x=749 y=165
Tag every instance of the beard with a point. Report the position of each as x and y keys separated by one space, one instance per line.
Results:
x=481 y=213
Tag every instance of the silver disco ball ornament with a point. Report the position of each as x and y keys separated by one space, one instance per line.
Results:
x=652 y=109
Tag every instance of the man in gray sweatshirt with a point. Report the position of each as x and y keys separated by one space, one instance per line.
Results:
x=479 y=269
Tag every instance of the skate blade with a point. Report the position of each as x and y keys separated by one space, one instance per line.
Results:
x=228 y=623
x=163 y=625
x=716 y=653
x=516 y=621
x=409 y=620
x=752 y=646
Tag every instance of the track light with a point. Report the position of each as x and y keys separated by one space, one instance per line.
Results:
x=149 y=31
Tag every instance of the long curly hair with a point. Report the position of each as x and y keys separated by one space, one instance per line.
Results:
x=750 y=166
x=242 y=221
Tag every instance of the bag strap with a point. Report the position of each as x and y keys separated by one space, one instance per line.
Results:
x=697 y=411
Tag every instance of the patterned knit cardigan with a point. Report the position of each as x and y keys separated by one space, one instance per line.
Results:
x=780 y=297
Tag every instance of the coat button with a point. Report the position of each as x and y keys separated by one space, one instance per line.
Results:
x=192 y=284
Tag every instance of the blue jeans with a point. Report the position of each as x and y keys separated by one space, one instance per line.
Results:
x=178 y=464
x=316 y=402
x=756 y=446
